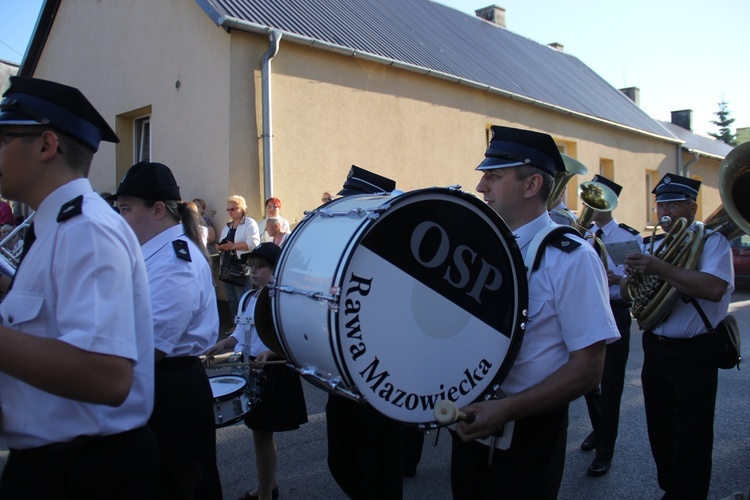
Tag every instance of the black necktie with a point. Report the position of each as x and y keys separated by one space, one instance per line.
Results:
x=28 y=240
x=599 y=233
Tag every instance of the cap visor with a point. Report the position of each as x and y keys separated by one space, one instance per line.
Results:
x=491 y=163
x=664 y=197
x=10 y=118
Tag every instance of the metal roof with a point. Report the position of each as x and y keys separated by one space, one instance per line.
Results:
x=695 y=143
x=431 y=38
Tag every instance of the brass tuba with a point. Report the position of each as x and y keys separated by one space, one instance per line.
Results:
x=683 y=245
x=596 y=197
x=572 y=167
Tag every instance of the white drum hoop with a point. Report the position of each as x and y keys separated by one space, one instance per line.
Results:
x=386 y=317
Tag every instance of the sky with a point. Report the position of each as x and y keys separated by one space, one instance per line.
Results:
x=681 y=54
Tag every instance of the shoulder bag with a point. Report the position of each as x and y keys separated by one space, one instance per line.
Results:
x=726 y=339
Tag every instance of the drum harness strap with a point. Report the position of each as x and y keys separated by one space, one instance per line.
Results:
x=549 y=235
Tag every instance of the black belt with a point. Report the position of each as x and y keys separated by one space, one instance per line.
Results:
x=177 y=362
x=78 y=442
x=673 y=341
x=619 y=303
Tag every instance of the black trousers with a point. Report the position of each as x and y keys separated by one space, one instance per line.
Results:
x=183 y=423
x=603 y=403
x=531 y=468
x=679 y=390
x=365 y=450
x=122 y=466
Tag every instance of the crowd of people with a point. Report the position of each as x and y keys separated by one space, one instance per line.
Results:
x=101 y=377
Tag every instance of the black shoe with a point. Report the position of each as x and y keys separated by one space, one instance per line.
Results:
x=248 y=496
x=599 y=467
x=589 y=443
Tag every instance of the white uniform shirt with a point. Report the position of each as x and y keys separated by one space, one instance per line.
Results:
x=265 y=237
x=246 y=231
x=684 y=321
x=83 y=282
x=245 y=333
x=613 y=233
x=186 y=317
x=568 y=309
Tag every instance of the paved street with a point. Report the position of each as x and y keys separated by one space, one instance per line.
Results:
x=303 y=474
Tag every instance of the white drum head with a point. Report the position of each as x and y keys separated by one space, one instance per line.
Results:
x=431 y=305
x=225 y=385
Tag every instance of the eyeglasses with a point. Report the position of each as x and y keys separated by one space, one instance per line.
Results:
x=326 y=200
x=669 y=206
x=272 y=207
x=232 y=209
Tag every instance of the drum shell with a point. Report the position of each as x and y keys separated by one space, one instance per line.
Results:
x=420 y=332
x=229 y=405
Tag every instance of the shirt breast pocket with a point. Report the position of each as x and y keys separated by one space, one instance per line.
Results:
x=24 y=311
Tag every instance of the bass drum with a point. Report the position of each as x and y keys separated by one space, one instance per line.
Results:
x=401 y=301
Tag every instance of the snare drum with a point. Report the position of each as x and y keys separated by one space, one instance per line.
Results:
x=231 y=401
x=402 y=301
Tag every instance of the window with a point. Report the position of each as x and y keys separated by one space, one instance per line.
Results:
x=142 y=139
x=607 y=168
x=134 y=130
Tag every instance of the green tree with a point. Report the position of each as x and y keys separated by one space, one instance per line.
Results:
x=723 y=122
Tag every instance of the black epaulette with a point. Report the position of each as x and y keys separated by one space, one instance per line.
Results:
x=558 y=238
x=70 y=209
x=181 y=250
x=629 y=229
x=565 y=243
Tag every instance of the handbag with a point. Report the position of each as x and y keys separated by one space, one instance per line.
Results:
x=233 y=270
x=726 y=339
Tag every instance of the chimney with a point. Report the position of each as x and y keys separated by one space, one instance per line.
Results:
x=634 y=93
x=493 y=14
x=683 y=118
x=557 y=46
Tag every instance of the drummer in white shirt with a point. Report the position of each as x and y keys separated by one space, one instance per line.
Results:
x=186 y=322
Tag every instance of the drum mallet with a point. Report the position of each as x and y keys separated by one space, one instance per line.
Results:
x=446 y=413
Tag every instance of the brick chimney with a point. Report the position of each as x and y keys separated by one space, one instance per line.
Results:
x=683 y=118
x=557 y=46
x=493 y=14
x=634 y=93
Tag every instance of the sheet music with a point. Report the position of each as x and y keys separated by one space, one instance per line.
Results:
x=618 y=250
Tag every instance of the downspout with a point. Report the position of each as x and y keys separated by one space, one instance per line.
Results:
x=274 y=38
x=686 y=167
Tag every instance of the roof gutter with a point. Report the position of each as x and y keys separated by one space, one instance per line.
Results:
x=274 y=37
x=228 y=23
